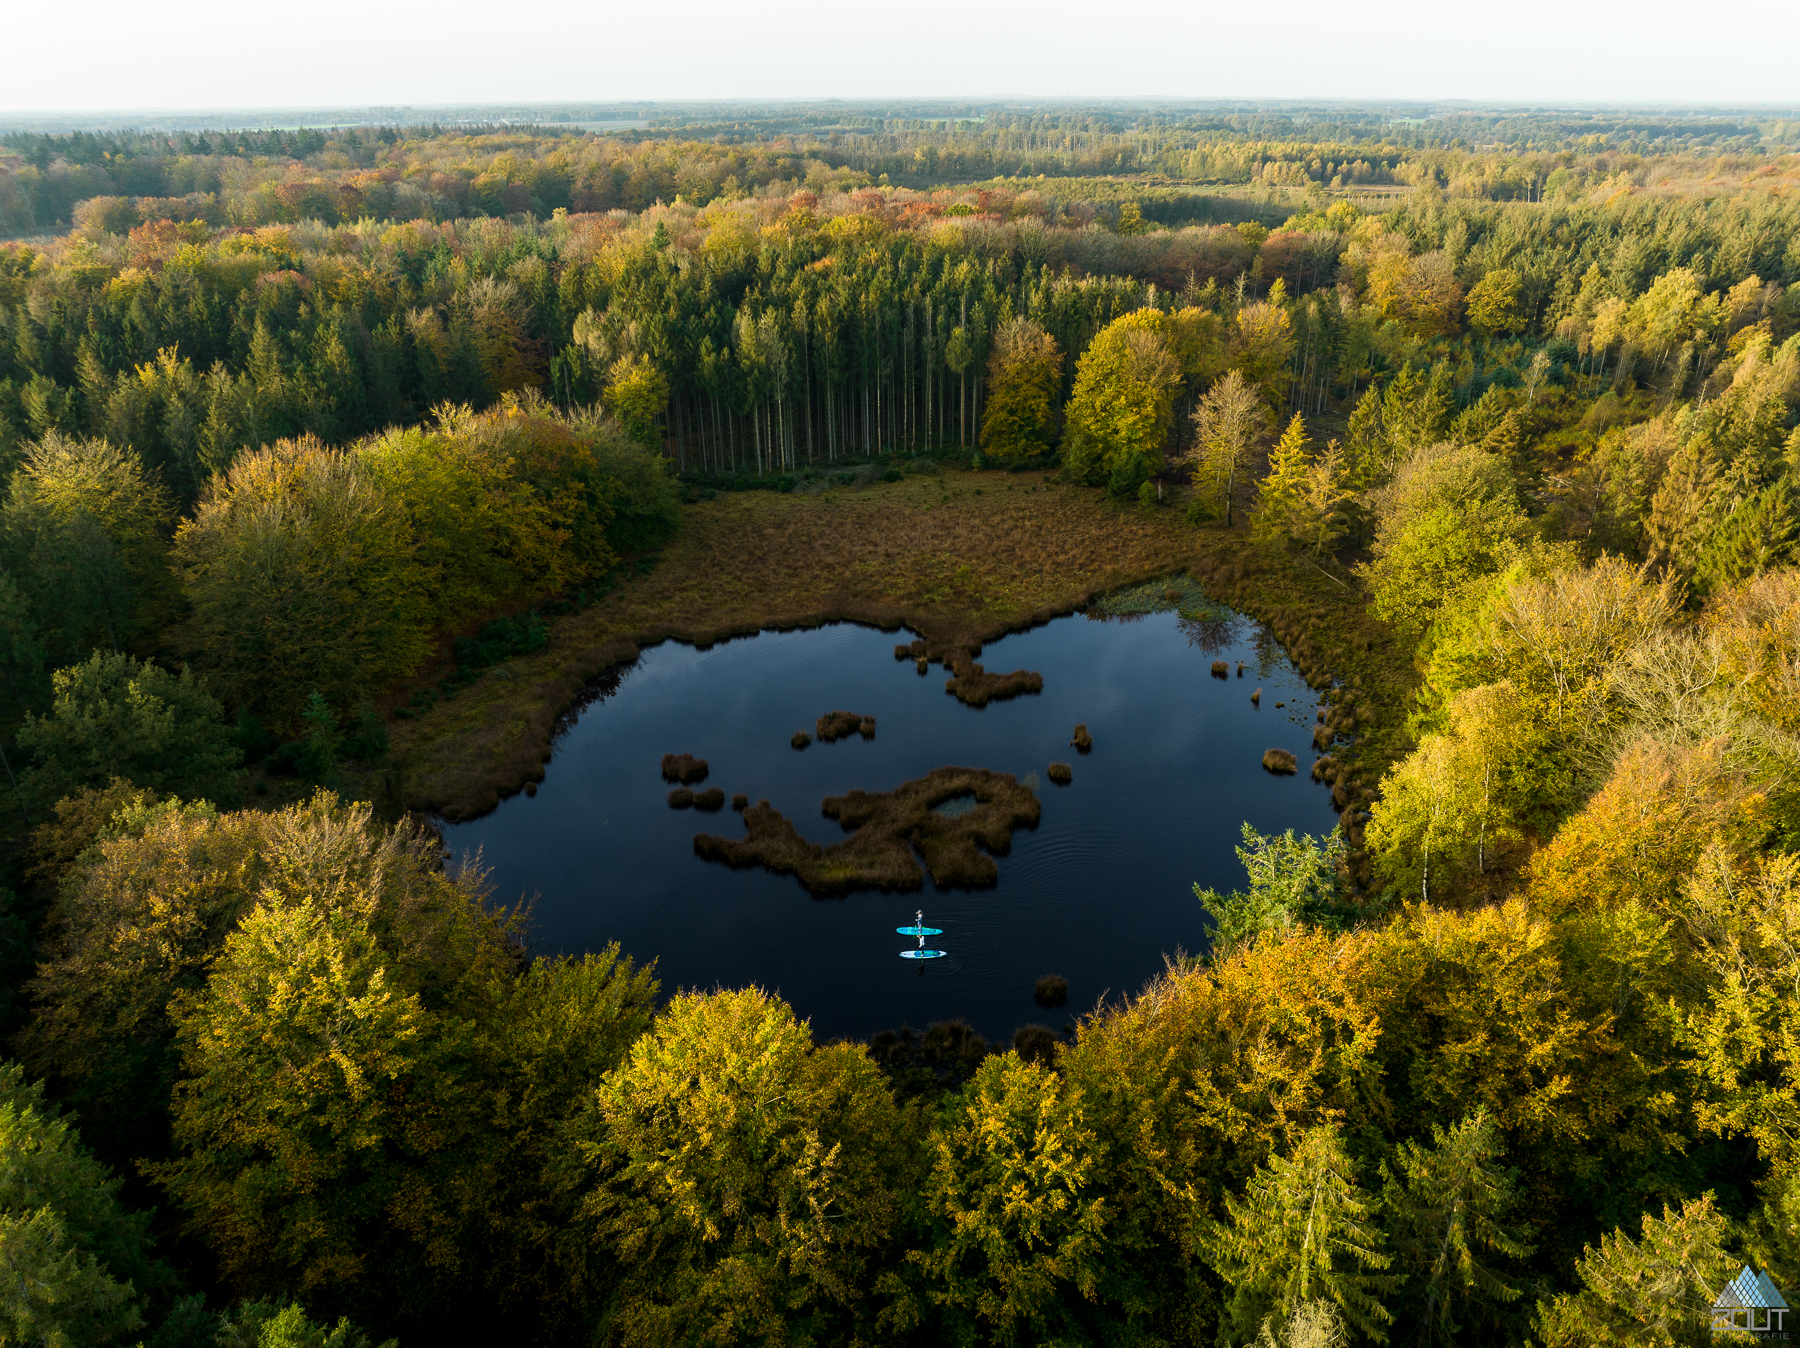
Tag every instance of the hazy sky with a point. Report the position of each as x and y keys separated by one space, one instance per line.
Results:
x=207 y=53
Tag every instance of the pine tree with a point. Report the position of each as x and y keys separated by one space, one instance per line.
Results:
x=1447 y=1201
x=1302 y=1231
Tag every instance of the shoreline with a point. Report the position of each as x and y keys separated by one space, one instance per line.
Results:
x=940 y=556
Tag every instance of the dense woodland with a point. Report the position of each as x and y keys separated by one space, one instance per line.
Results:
x=1514 y=1056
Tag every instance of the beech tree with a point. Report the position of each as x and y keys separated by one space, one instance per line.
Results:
x=1494 y=302
x=1121 y=410
x=1017 y=1183
x=1024 y=383
x=741 y=1177
x=84 y=539
x=302 y=576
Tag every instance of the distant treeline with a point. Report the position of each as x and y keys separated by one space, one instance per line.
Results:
x=252 y=177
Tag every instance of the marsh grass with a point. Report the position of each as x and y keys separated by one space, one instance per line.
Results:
x=885 y=830
x=1060 y=773
x=1178 y=593
x=1280 y=762
x=740 y=801
x=1051 y=990
x=710 y=800
x=800 y=739
x=1083 y=741
x=680 y=798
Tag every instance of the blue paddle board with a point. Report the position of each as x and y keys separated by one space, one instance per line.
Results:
x=921 y=954
x=920 y=931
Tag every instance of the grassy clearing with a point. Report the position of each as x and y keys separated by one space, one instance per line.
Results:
x=961 y=559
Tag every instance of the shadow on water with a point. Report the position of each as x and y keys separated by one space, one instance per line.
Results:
x=1098 y=892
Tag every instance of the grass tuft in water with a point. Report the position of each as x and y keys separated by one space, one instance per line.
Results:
x=1280 y=762
x=1036 y=1043
x=975 y=687
x=683 y=768
x=838 y=725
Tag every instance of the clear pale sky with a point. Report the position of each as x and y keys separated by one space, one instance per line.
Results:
x=127 y=54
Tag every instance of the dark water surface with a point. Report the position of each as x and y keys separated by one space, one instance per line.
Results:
x=1099 y=892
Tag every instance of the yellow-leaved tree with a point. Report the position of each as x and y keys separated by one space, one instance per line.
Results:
x=739 y=1178
x=1121 y=411
x=1018 y=1185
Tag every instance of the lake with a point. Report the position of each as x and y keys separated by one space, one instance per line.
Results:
x=1099 y=892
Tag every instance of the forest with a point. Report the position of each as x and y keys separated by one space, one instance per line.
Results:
x=301 y=430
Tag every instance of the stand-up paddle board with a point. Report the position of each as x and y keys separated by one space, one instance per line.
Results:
x=920 y=931
x=921 y=954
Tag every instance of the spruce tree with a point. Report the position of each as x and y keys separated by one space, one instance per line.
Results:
x=1446 y=1203
x=1279 y=496
x=1302 y=1231
x=1365 y=440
